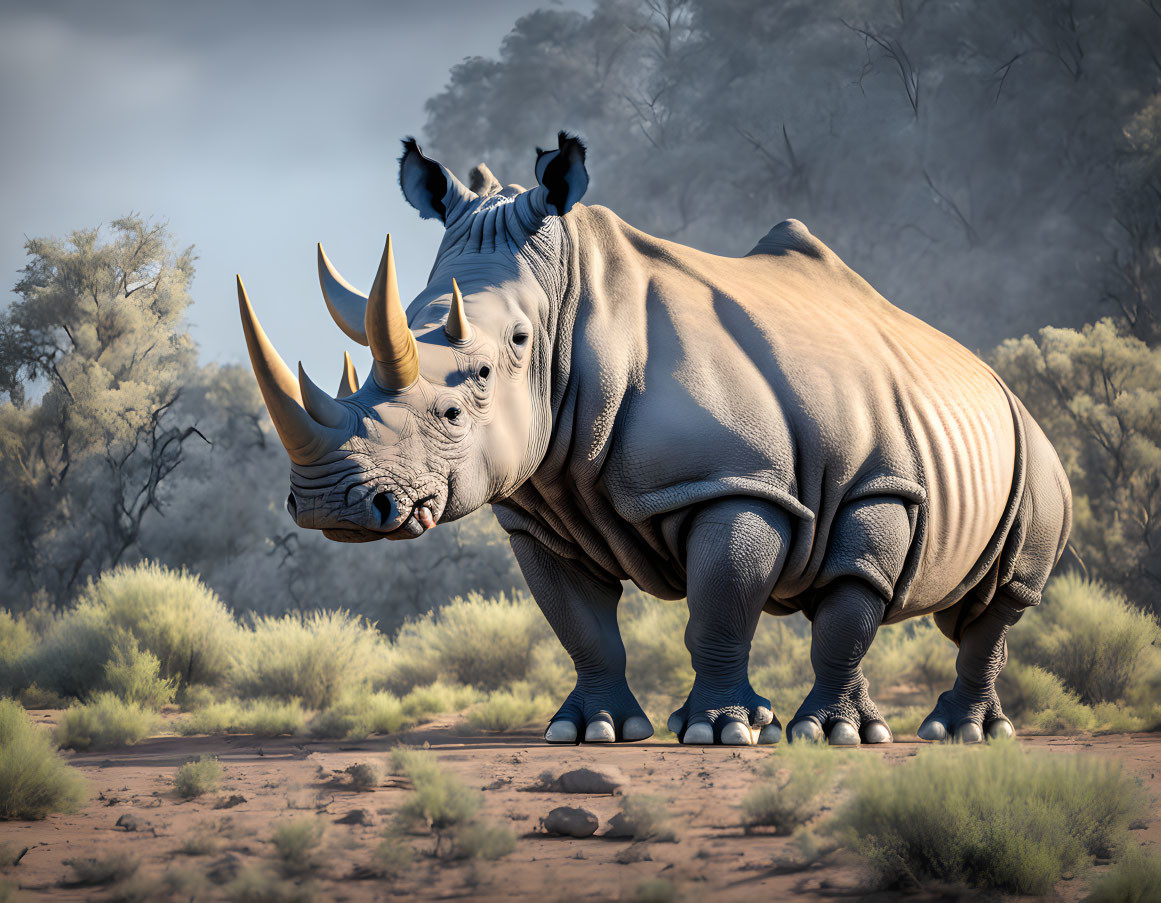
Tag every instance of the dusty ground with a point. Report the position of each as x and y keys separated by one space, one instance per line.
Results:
x=280 y=779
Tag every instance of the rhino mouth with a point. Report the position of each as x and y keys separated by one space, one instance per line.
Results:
x=423 y=515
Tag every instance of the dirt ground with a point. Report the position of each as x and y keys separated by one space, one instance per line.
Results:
x=713 y=859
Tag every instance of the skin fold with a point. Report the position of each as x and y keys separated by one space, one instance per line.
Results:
x=756 y=433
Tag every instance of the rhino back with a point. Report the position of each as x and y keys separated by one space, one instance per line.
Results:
x=782 y=375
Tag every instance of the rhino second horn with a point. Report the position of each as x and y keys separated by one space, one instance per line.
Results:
x=349 y=382
x=392 y=344
x=347 y=305
x=318 y=404
x=303 y=437
x=457 y=328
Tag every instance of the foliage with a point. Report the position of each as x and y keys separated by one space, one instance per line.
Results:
x=1096 y=392
x=261 y=717
x=506 y=710
x=364 y=776
x=315 y=657
x=476 y=840
x=792 y=781
x=440 y=800
x=298 y=844
x=993 y=816
x=257 y=885
x=104 y=723
x=1136 y=878
x=133 y=675
x=34 y=780
x=1037 y=700
x=1090 y=637
x=647 y=817
x=94 y=871
x=474 y=640
x=99 y=323
x=200 y=776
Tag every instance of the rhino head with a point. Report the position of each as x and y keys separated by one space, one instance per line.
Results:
x=456 y=410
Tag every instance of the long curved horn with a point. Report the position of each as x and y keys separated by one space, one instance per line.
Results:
x=318 y=404
x=392 y=344
x=349 y=383
x=348 y=305
x=457 y=328
x=303 y=437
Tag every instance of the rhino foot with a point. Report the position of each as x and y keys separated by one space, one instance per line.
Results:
x=839 y=717
x=961 y=718
x=599 y=714
x=738 y=717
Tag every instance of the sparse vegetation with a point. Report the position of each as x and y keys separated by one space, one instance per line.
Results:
x=1136 y=878
x=298 y=844
x=505 y=710
x=34 y=780
x=105 y=723
x=993 y=817
x=134 y=675
x=364 y=776
x=316 y=658
x=646 y=817
x=259 y=885
x=792 y=781
x=261 y=717
x=196 y=778
x=94 y=871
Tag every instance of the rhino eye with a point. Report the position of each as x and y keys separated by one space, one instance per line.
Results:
x=520 y=338
x=485 y=372
x=452 y=414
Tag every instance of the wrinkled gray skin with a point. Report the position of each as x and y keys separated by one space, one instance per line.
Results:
x=755 y=433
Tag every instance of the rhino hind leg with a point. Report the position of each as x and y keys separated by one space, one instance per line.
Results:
x=839 y=707
x=734 y=554
x=582 y=611
x=970 y=711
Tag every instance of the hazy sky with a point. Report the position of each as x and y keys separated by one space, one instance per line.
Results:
x=255 y=129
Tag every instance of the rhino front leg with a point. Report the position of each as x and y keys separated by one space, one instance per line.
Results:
x=582 y=611
x=970 y=710
x=734 y=554
x=839 y=706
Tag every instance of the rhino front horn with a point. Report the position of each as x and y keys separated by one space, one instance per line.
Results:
x=392 y=345
x=305 y=439
x=457 y=328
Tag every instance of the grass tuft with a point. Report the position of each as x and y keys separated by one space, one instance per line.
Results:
x=201 y=776
x=993 y=816
x=34 y=780
x=298 y=844
x=1136 y=878
x=105 y=723
x=792 y=781
x=94 y=871
x=364 y=776
x=507 y=710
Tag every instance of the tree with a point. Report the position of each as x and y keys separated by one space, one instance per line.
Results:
x=1097 y=394
x=94 y=358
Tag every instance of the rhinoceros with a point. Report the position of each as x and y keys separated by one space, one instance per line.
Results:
x=755 y=433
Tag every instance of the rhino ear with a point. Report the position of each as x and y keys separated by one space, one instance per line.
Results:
x=562 y=173
x=429 y=186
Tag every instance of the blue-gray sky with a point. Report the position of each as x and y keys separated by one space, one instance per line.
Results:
x=254 y=129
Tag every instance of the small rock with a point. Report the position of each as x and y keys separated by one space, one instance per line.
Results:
x=591 y=780
x=229 y=802
x=572 y=822
x=129 y=822
x=355 y=817
x=225 y=869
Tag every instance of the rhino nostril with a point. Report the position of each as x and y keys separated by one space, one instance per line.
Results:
x=384 y=503
x=292 y=506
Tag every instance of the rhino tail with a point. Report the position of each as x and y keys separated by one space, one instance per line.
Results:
x=788 y=236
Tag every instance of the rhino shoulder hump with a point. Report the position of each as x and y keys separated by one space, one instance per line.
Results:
x=789 y=236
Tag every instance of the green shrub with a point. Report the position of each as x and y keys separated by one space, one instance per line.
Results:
x=1089 y=636
x=172 y=614
x=437 y=699
x=393 y=857
x=34 y=780
x=791 y=783
x=258 y=885
x=364 y=776
x=200 y=776
x=17 y=641
x=316 y=658
x=105 y=723
x=1037 y=701
x=94 y=871
x=992 y=816
x=646 y=817
x=1136 y=878
x=134 y=675
x=913 y=654
x=506 y=710
x=482 y=642
x=656 y=890
x=298 y=844
x=654 y=634
x=261 y=717
x=440 y=800
x=476 y=840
